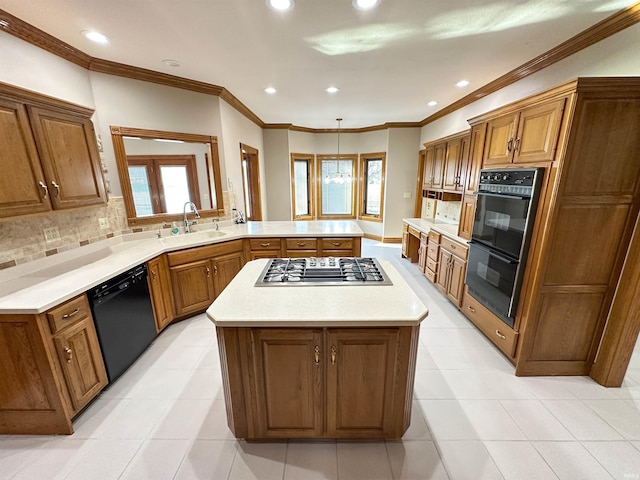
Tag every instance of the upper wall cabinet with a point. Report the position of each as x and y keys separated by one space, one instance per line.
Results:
x=50 y=149
x=530 y=135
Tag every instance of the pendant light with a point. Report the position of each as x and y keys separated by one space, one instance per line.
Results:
x=338 y=176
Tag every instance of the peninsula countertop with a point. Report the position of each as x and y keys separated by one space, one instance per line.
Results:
x=36 y=286
x=242 y=304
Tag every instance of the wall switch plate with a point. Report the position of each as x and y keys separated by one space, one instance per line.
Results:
x=407 y=195
x=103 y=222
x=51 y=234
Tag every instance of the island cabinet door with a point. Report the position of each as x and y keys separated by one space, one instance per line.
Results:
x=288 y=367
x=361 y=375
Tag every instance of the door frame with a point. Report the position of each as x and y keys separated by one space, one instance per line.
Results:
x=251 y=192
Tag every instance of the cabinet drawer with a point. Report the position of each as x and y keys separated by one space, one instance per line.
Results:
x=337 y=244
x=430 y=274
x=434 y=237
x=504 y=337
x=414 y=231
x=432 y=264
x=456 y=248
x=432 y=251
x=302 y=244
x=68 y=313
x=265 y=244
x=424 y=238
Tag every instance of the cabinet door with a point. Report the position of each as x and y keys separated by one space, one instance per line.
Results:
x=442 y=279
x=467 y=215
x=538 y=131
x=498 y=148
x=427 y=172
x=225 y=267
x=69 y=156
x=439 y=155
x=81 y=360
x=192 y=286
x=25 y=189
x=455 y=289
x=405 y=244
x=451 y=164
x=422 y=252
x=160 y=291
x=461 y=172
x=474 y=163
x=289 y=376
x=360 y=381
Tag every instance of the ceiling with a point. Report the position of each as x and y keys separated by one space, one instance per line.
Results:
x=388 y=63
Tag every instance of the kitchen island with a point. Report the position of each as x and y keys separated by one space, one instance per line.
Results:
x=321 y=361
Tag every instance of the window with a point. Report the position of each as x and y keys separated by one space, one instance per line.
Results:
x=302 y=182
x=162 y=183
x=336 y=191
x=372 y=171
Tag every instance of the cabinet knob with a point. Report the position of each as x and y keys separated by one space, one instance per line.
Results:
x=69 y=353
x=45 y=189
x=57 y=187
x=503 y=337
x=265 y=244
x=69 y=315
x=316 y=354
x=334 y=352
x=215 y=269
x=471 y=309
x=208 y=272
x=154 y=274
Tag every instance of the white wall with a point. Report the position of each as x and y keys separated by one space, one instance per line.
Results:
x=32 y=68
x=277 y=174
x=301 y=142
x=237 y=129
x=617 y=55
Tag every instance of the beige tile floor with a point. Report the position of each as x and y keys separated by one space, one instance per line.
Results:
x=472 y=419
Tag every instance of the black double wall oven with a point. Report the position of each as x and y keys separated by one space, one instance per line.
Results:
x=505 y=210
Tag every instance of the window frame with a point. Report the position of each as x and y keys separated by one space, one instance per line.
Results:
x=319 y=184
x=362 y=190
x=311 y=185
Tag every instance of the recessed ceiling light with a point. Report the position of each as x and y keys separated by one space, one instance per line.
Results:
x=171 y=63
x=270 y=90
x=462 y=83
x=96 y=36
x=332 y=90
x=365 y=4
x=281 y=5
x=432 y=103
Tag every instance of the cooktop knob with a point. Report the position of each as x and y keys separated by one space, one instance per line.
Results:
x=506 y=176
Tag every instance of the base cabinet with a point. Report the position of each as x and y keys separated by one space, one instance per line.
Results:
x=160 y=289
x=318 y=382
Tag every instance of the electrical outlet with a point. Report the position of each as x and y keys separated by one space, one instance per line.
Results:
x=103 y=222
x=51 y=234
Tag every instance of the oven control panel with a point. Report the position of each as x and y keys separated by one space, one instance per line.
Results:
x=512 y=181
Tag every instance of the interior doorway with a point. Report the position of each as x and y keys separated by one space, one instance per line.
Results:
x=251 y=183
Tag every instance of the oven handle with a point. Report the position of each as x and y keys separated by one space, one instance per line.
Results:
x=492 y=252
x=503 y=195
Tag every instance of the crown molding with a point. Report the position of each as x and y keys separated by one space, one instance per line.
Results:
x=601 y=30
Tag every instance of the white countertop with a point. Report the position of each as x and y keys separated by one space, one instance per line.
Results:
x=36 y=286
x=242 y=304
x=424 y=225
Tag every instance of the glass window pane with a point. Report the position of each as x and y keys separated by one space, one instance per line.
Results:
x=175 y=187
x=337 y=187
x=301 y=186
x=373 y=187
x=141 y=190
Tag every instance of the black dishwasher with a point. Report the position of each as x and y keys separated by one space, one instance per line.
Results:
x=123 y=316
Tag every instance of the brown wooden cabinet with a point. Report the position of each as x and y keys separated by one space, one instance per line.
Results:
x=50 y=368
x=433 y=253
x=225 y=267
x=50 y=148
x=528 y=136
x=264 y=248
x=160 y=289
x=422 y=252
x=452 y=265
x=427 y=170
x=467 y=214
x=474 y=164
x=455 y=167
x=318 y=382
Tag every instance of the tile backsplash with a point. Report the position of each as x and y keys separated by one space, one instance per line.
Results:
x=448 y=211
x=22 y=239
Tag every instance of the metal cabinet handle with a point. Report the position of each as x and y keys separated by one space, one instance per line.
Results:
x=302 y=244
x=57 y=187
x=215 y=269
x=154 y=274
x=316 y=355
x=208 y=272
x=69 y=353
x=265 y=244
x=509 y=144
x=453 y=247
x=336 y=244
x=473 y=310
x=45 y=189
x=503 y=337
x=516 y=145
x=69 y=315
x=334 y=352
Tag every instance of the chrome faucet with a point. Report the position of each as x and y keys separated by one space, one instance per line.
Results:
x=215 y=222
x=187 y=223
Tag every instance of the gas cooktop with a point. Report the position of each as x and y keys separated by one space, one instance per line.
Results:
x=322 y=271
